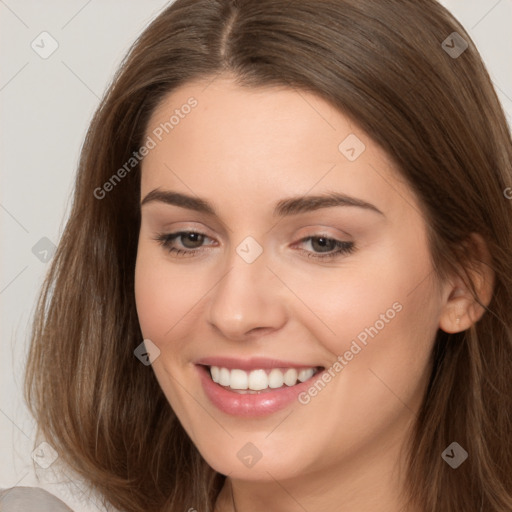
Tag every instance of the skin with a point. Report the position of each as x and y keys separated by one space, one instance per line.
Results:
x=243 y=150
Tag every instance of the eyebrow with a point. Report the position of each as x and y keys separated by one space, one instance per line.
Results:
x=283 y=208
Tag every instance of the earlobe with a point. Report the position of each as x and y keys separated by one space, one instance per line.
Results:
x=462 y=309
x=455 y=316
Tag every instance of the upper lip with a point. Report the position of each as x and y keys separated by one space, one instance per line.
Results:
x=253 y=363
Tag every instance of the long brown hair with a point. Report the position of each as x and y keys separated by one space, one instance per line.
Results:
x=437 y=115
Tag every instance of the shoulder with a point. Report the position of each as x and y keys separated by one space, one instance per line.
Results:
x=30 y=499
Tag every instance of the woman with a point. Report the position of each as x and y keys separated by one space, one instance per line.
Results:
x=301 y=208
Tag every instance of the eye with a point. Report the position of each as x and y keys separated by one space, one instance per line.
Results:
x=324 y=247
x=189 y=242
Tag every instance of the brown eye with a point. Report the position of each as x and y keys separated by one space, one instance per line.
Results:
x=322 y=244
x=191 y=240
x=325 y=248
x=185 y=243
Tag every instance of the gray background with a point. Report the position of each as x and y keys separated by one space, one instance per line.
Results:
x=45 y=108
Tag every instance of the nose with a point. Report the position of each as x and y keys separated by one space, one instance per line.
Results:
x=249 y=299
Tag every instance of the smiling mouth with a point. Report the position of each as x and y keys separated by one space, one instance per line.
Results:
x=260 y=380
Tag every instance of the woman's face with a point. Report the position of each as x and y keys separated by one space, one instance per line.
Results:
x=307 y=254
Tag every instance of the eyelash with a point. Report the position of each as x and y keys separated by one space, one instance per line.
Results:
x=166 y=239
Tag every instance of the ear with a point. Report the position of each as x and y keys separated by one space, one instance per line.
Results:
x=461 y=308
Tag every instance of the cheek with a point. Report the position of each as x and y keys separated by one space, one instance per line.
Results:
x=163 y=298
x=380 y=315
x=364 y=301
x=382 y=322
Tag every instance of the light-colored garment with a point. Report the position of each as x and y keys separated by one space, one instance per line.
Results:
x=30 y=499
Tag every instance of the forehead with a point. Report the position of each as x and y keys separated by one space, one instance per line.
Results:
x=267 y=141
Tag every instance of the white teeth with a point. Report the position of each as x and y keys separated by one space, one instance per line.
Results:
x=224 y=377
x=215 y=371
x=306 y=374
x=239 y=379
x=275 y=378
x=290 y=377
x=257 y=380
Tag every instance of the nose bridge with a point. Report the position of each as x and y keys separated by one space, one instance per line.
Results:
x=246 y=297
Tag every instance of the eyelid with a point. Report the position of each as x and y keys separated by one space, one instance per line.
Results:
x=318 y=230
x=161 y=220
x=179 y=227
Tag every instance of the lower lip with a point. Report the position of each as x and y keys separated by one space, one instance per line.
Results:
x=251 y=405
